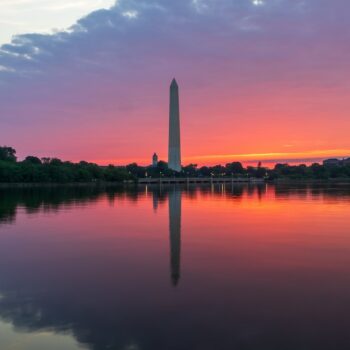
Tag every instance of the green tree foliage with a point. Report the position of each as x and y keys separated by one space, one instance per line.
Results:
x=235 y=168
x=190 y=170
x=112 y=173
x=53 y=170
x=136 y=171
x=32 y=160
x=7 y=154
x=34 y=170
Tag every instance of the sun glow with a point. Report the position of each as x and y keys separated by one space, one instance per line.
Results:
x=306 y=157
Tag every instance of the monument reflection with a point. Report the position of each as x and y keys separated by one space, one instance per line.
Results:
x=174 y=195
x=175 y=234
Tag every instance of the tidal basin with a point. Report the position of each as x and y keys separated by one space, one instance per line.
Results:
x=221 y=266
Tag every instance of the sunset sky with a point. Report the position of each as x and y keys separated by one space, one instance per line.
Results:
x=261 y=80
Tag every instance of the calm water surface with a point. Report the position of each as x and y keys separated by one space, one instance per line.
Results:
x=205 y=268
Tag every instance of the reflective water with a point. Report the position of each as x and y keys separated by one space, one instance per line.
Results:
x=175 y=268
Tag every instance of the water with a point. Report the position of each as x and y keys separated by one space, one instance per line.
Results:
x=175 y=268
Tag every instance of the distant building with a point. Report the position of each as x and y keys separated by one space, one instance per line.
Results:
x=332 y=162
x=155 y=160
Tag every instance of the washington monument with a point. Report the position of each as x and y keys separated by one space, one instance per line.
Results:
x=174 y=155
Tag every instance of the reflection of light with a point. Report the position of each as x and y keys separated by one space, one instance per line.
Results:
x=258 y=2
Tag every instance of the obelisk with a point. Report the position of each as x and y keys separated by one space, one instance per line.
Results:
x=174 y=153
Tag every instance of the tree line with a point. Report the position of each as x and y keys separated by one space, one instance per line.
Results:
x=52 y=170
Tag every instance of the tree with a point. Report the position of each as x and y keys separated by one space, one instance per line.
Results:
x=32 y=160
x=46 y=160
x=162 y=166
x=136 y=170
x=319 y=171
x=218 y=170
x=260 y=171
x=113 y=173
x=9 y=172
x=8 y=154
x=234 y=168
x=251 y=171
x=55 y=161
x=190 y=170
x=204 y=171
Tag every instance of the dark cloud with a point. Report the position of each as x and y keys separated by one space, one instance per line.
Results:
x=136 y=30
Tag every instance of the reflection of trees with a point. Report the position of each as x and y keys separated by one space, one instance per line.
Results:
x=43 y=199
x=261 y=190
x=8 y=210
x=51 y=199
x=327 y=191
x=238 y=191
x=251 y=190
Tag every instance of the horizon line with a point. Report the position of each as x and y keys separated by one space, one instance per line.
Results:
x=269 y=157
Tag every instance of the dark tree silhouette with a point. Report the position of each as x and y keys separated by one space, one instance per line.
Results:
x=8 y=154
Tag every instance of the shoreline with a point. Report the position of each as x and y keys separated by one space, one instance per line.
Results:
x=136 y=183
x=57 y=184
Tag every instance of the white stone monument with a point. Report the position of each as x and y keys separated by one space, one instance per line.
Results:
x=174 y=155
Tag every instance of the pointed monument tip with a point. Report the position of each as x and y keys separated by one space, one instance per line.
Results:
x=173 y=82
